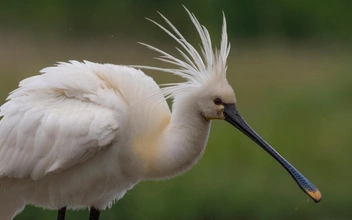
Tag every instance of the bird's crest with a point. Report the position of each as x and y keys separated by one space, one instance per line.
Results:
x=196 y=68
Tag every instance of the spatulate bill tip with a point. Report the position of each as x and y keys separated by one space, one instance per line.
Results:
x=315 y=195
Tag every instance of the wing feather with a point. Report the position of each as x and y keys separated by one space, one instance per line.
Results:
x=36 y=143
x=49 y=125
x=64 y=116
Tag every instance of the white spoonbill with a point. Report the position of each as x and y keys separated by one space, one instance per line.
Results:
x=81 y=134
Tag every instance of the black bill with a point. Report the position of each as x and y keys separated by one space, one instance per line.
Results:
x=233 y=117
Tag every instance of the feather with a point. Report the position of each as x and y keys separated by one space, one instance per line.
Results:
x=196 y=68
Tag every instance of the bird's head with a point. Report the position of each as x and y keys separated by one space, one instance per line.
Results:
x=207 y=86
x=213 y=97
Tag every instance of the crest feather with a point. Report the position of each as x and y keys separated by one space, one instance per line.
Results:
x=196 y=68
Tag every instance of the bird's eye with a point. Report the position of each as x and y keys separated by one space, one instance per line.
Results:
x=217 y=101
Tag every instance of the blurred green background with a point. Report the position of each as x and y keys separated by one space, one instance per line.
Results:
x=290 y=66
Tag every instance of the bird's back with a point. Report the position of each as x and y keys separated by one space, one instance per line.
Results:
x=65 y=115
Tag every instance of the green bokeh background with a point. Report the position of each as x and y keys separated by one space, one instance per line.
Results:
x=290 y=66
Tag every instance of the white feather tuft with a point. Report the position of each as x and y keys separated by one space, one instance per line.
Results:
x=197 y=69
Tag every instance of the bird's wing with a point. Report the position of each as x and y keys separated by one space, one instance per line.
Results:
x=54 y=121
x=37 y=141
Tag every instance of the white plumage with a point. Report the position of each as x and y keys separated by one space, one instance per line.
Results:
x=82 y=134
x=62 y=132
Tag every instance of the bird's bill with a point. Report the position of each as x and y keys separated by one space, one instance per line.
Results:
x=233 y=117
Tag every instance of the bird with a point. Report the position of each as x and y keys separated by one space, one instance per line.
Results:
x=80 y=134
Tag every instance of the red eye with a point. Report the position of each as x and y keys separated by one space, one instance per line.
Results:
x=217 y=101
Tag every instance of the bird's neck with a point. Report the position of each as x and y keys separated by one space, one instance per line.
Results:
x=182 y=142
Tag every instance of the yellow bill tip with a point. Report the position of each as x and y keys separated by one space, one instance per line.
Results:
x=315 y=195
